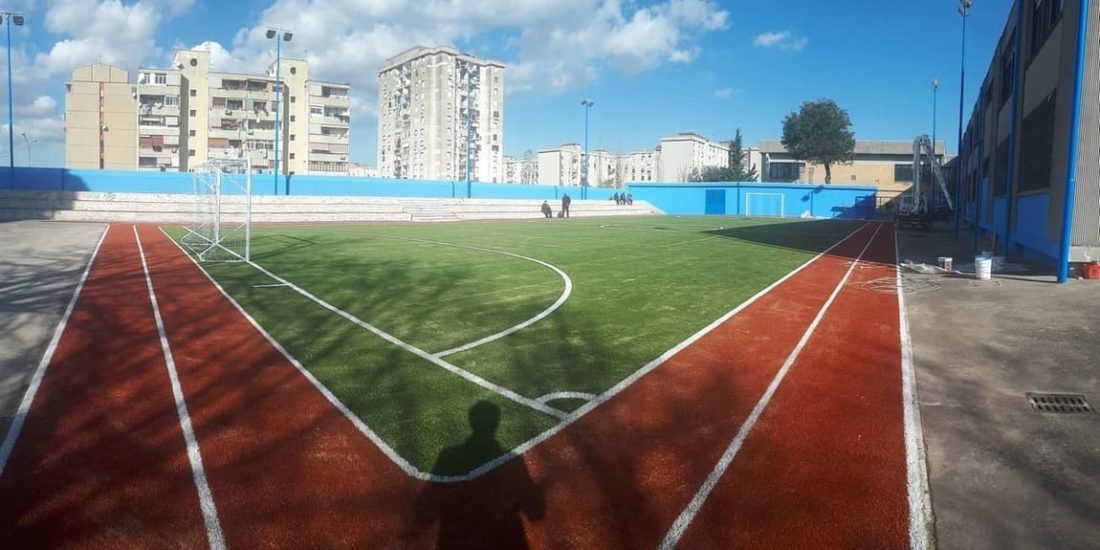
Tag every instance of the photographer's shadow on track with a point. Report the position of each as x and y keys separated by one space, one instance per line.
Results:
x=488 y=511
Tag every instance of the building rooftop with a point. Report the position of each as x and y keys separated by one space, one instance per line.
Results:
x=421 y=51
x=863 y=147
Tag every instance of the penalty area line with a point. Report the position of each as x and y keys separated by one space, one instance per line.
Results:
x=679 y=527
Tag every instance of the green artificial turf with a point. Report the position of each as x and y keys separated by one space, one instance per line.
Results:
x=640 y=287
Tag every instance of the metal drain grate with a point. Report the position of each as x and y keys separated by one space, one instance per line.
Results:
x=1059 y=403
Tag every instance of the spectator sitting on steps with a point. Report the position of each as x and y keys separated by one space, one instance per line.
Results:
x=546 y=210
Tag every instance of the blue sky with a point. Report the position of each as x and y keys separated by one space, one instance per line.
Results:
x=652 y=68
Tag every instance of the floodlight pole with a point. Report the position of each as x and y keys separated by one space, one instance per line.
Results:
x=279 y=36
x=960 y=169
x=11 y=114
x=469 y=131
x=584 y=158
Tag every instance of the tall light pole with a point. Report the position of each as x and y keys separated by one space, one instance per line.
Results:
x=960 y=167
x=935 y=98
x=280 y=36
x=469 y=131
x=29 y=142
x=9 y=18
x=584 y=158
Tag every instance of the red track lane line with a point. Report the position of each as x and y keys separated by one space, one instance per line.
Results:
x=825 y=466
x=285 y=467
x=101 y=459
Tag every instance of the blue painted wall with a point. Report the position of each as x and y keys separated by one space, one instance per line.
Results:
x=790 y=200
x=1031 y=227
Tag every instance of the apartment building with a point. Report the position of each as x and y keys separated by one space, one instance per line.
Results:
x=678 y=158
x=441 y=116
x=187 y=115
x=684 y=156
x=100 y=121
x=524 y=171
x=887 y=165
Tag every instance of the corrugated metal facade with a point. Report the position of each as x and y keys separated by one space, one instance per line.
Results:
x=1086 y=220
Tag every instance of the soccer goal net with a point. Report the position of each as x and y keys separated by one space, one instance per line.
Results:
x=222 y=227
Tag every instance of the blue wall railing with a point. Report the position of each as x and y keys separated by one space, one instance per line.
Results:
x=114 y=181
x=736 y=199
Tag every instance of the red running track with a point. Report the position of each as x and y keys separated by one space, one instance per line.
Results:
x=287 y=469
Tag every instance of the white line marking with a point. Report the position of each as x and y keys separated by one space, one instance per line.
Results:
x=566 y=395
x=684 y=520
x=269 y=286
x=920 y=505
x=439 y=362
x=206 y=498
x=411 y=470
x=355 y=420
x=40 y=371
x=492 y=337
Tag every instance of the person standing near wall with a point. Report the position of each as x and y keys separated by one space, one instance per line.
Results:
x=565 y=200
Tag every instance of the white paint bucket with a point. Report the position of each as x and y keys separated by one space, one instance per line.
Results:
x=983 y=268
x=946 y=263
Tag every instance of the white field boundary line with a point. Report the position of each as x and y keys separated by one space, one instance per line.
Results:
x=566 y=395
x=40 y=371
x=679 y=527
x=920 y=500
x=401 y=463
x=194 y=456
x=411 y=470
x=646 y=369
x=568 y=291
x=437 y=361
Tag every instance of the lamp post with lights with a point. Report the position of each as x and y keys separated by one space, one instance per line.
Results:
x=280 y=36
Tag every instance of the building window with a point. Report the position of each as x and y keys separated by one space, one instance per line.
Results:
x=291 y=137
x=194 y=93
x=293 y=118
x=293 y=99
x=1045 y=15
x=160 y=78
x=191 y=112
x=784 y=171
x=191 y=133
x=1037 y=146
x=190 y=152
x=903 y=172
x=171 y=101
x=292 y=156
x=1008 y=69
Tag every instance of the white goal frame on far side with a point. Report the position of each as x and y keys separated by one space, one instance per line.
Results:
x=748 y=205
x=221 y=230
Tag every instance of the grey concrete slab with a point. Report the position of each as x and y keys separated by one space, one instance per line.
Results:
x=40 y=266
x=1003 y=475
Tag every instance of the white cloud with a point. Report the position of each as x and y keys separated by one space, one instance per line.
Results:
x=783 y=40
x=549 y=46
x=42 y=105
x=726 y=93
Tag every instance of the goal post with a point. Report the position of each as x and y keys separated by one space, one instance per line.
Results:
x=765 y=205
x=221 y=230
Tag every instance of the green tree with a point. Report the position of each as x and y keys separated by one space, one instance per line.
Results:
x=740 y=167
x=712 y=173
x=820 y=133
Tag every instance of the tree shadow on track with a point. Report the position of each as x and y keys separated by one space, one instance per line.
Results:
x=479 y=514
x=807 y=236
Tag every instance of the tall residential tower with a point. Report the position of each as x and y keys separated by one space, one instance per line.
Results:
x=438 y=110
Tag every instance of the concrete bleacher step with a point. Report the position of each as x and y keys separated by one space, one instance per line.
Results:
x=165 y=208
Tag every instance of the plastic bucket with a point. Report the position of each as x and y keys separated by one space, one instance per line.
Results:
x=983 y=268
x=946 y=263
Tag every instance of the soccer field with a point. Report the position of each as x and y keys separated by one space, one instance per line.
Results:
x=409 y=326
